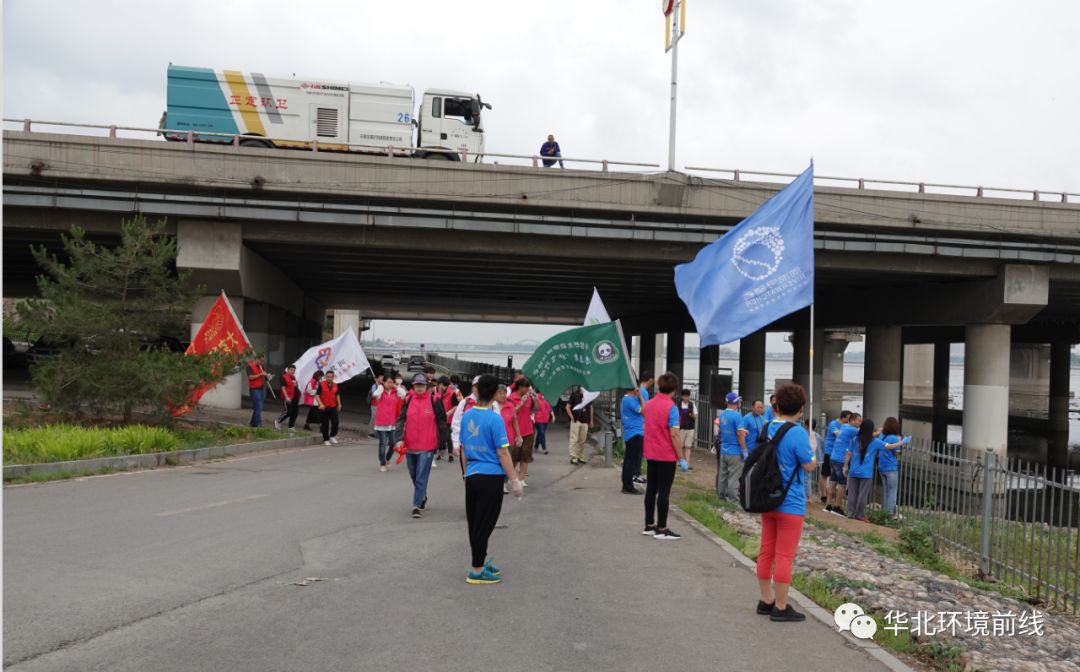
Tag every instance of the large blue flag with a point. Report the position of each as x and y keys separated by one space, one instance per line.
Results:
x=758 y=272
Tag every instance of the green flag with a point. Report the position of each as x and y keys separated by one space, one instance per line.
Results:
x=595 y=357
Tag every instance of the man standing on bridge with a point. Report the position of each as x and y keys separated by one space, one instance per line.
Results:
x=551 y=148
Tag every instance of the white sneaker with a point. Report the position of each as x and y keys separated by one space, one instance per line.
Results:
x=326 y=443
x=506 y=491
x=277 y=424
x=434 y=464
x=333 y=440
x=524 y=484
x=292 y=429
x=383 y=469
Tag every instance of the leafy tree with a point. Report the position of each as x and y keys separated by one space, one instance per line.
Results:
x=111 y=312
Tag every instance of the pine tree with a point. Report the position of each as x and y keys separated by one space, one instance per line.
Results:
x=112 y=311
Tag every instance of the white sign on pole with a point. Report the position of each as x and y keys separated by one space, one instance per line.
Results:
x=597 y=314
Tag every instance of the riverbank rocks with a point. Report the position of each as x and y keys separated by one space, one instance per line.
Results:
x=972 y=628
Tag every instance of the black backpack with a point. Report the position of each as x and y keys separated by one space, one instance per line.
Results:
x=761 y=485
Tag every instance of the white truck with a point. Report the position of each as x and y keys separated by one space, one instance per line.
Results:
x=330 y=115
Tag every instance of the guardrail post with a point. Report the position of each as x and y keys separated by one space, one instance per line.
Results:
x=609 y=442
x=236 y=140
x=26 y=126
x=978 y=192
x=1036 y=195
x=738 y=175
x=536 y=159
x=464 y=156
x=922 y=187
x=390 y=151
x=314 y=145
x=112 y=132
x=190 y=137
x=988 y=506
x=604 y=165
x=1064 y=197
x=862 y=183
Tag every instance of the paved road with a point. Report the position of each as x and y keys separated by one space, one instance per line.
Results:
x=193 y=569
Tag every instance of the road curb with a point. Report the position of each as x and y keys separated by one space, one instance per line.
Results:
x=873 y=650
x=152 y=460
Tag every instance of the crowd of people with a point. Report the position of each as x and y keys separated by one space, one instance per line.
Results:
x=495 y=430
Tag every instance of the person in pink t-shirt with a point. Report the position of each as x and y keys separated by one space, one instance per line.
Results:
x=541 y=420
x=662 y=445
x=524 y=400
x=386 y=400
x=418 y=428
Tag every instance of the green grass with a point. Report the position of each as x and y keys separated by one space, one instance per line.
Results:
x=65 y=442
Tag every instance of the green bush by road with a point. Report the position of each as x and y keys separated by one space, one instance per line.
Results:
x=63 y=442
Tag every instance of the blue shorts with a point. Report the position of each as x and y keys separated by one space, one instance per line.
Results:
x=838 y=473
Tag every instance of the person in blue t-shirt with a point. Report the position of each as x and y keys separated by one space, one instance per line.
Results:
x=888 y=466
x=770 y=411
x=781 y=528
x=827 y=485
x=633 y=430
x=485 y=455
x=859 y=467
x=845 y=439
x=750 y=427
x=645 y=384
x=730 y=457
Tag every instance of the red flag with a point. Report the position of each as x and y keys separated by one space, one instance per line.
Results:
x=220 y=332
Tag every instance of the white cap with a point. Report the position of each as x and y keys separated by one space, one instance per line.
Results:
x=476 y=380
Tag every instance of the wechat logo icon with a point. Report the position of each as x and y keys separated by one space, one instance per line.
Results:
x=853 y=618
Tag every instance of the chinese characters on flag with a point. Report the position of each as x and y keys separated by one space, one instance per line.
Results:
x=221 y=332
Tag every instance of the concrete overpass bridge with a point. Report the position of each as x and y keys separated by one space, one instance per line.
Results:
x=291 y=234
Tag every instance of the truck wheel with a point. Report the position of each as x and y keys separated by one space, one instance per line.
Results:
x=439 y=156
x=248 y=142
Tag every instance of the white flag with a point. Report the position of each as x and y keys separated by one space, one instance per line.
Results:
x=343 y=356
x=597 y=314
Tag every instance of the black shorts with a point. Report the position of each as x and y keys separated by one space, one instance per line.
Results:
x=825 y=468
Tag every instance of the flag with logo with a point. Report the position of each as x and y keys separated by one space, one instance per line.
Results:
x=343 y=355
x=760 y=271
x=595 y=357
x=221 y=331
x=596 y=314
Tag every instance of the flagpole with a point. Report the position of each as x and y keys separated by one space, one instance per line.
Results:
x=810 y=414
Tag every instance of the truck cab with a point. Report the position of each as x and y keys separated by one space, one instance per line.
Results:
x=450 y=120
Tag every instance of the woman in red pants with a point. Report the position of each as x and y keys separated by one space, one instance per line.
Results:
x=782 y=527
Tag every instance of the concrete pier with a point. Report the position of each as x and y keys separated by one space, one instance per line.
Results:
x=986 y=387
x=752 y=368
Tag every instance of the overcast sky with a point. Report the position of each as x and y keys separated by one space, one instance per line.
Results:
x=965 y=92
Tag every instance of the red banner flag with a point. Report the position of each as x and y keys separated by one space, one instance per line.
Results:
x=220 y=332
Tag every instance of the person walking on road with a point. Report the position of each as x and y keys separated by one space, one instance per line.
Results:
x=329 y=398
x=551 y=149
x=662 y=447
x=257 y=379
x=541 y=421
x=311 y=400
x=377 y=385
x=633 y=430
x=419 y=425
x=387 y=400
x=580 y=422
x=782 y=527
x=730 y=456
x=290 y=398
x=524 y=400
x=687 y=427
x=485 y=454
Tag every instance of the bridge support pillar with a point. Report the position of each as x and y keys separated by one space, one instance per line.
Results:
x=708 y=360
x=752 y=368
x=986 y=387
x=800 y=343
x=1058 y=449
x=676 y=353
x=225 y=394
x=343 y=319
x=647 y=352
x=883 y=373
x=940 y=426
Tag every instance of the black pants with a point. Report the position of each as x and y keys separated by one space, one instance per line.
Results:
x=658 y=491
x=313 y=416
x=329 y=422
x=483 y=503
x=631 y=464
x=290 y=412
x=445 y=444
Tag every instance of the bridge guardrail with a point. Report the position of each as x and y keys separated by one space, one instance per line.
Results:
x=236 y=140
x=737 y=175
